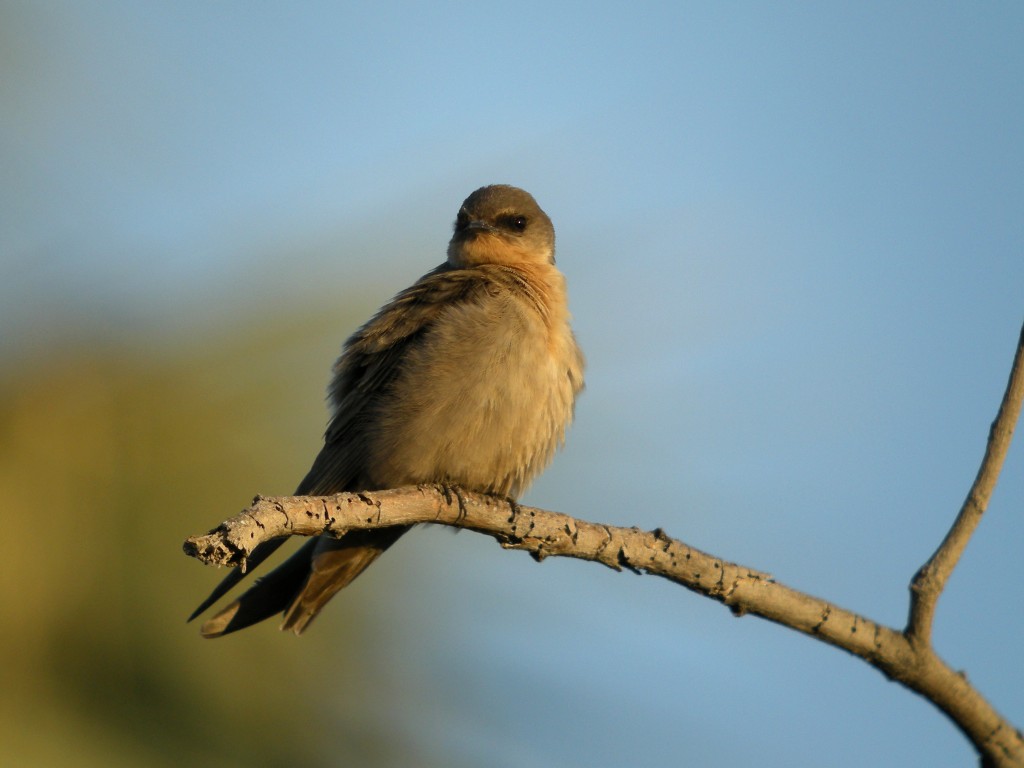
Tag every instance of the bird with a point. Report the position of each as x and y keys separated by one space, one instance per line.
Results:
x=468 y=378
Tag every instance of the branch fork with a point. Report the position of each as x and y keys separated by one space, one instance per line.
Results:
x=906 y=656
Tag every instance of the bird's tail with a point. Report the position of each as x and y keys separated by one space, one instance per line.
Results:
x=303 y=584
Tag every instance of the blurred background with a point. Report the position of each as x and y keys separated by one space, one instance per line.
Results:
x=792 y=235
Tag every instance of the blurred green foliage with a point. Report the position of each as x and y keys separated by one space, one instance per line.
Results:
x=110 y=454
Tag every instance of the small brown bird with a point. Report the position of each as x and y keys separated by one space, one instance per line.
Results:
x=468 y=378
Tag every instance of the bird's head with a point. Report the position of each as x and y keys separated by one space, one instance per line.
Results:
x=500 y=224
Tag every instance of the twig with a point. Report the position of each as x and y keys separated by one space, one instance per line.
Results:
x=931 y=579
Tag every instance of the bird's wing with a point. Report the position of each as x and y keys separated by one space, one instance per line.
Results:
x=369 y=362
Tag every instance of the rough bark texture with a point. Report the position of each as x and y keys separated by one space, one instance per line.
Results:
x=905 y=656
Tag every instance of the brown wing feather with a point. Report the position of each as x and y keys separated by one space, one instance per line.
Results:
x=370 y=359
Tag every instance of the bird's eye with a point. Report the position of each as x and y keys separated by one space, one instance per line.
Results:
x=515 y=222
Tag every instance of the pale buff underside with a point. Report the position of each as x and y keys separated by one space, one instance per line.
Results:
x=484 y=398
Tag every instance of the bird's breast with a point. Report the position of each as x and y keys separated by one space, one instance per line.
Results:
x=485 y=394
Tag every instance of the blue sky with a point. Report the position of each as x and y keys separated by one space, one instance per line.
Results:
x=793 y=237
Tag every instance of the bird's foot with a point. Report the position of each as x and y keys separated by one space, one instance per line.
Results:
x=449 y=490
x=515 y=509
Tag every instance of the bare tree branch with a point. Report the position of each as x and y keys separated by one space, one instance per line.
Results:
x=931 y=579
x=907 y=656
